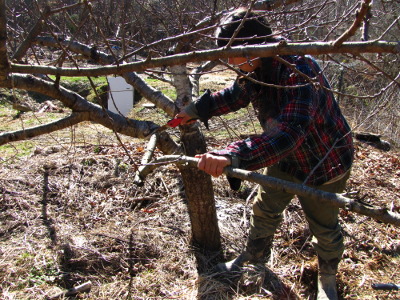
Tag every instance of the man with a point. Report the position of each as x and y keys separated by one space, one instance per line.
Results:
x=305 y=140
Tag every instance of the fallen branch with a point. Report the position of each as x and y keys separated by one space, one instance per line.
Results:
x=151 y=146
x=338 y=200
x=386 y=286
x=85 y=287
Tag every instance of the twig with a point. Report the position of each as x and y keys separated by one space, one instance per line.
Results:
x=253 y=191
x=141 y=199
x=386 y=286
x=48 y=222
x=360 y=15
x=232 y=39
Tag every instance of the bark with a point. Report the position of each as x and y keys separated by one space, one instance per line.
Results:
x=151 y=94
x=200 y=194
x=13 y=136
x=148 y=155
x=196 y=74
x=83 y=288
x=85 y=110
x=360 y=15
x=282 y=48
x=4 y=63
x=379 y=213
x=76 y=47
x=198 y=186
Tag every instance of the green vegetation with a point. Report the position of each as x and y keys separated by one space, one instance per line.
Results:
x=163 y=87
x=16 y=150
x=96 y=80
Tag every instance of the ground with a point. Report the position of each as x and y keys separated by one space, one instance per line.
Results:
x=70 y=214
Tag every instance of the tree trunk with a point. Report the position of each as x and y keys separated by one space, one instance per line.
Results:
x=198 y=185
x=200 y=194
x=201 y=206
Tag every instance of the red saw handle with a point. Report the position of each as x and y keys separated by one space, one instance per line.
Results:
x=174 y=122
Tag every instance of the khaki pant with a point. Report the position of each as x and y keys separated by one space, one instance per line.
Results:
x=322 y=218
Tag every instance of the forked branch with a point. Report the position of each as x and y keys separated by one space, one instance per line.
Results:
x=360 y=16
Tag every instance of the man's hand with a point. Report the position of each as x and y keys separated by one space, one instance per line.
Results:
x=212 y=164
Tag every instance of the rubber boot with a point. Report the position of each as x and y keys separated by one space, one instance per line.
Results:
x=327 y=279
x=256 y=251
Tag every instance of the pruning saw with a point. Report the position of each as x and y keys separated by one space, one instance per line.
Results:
x=175 y=122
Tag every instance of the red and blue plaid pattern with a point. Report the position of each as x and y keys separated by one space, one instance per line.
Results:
x=307 y=135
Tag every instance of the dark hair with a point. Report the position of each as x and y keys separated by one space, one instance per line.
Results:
x=255 y=28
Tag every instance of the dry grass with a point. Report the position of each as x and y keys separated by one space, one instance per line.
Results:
x=92 y=224
x=70 y=214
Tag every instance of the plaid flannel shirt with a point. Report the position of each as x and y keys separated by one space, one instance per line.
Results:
x=308 y=137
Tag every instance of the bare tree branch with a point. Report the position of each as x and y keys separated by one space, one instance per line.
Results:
x=338 y=200
x=197 y=72
x=77 y=103
x=272 y=4
x=144 y=89
x=73 y=119
x=4 y=63
x=360 y=15
x=84 y=111
x=151 y=94
x=148 y=155
x=288 y=48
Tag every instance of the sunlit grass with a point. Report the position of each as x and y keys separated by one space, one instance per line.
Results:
x=96 y=80
x=88 y=133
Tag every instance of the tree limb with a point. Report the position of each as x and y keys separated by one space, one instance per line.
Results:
x=338 y=200
x=272 y=4
x=197 y=72
x=129 y=127
x=73 y=119
x=83 y=288
x=151 y=145
x=4 y=63
x=82 y=111
x=151 y=94
x=287 y=48
x=360 y=15
x=76 y=47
